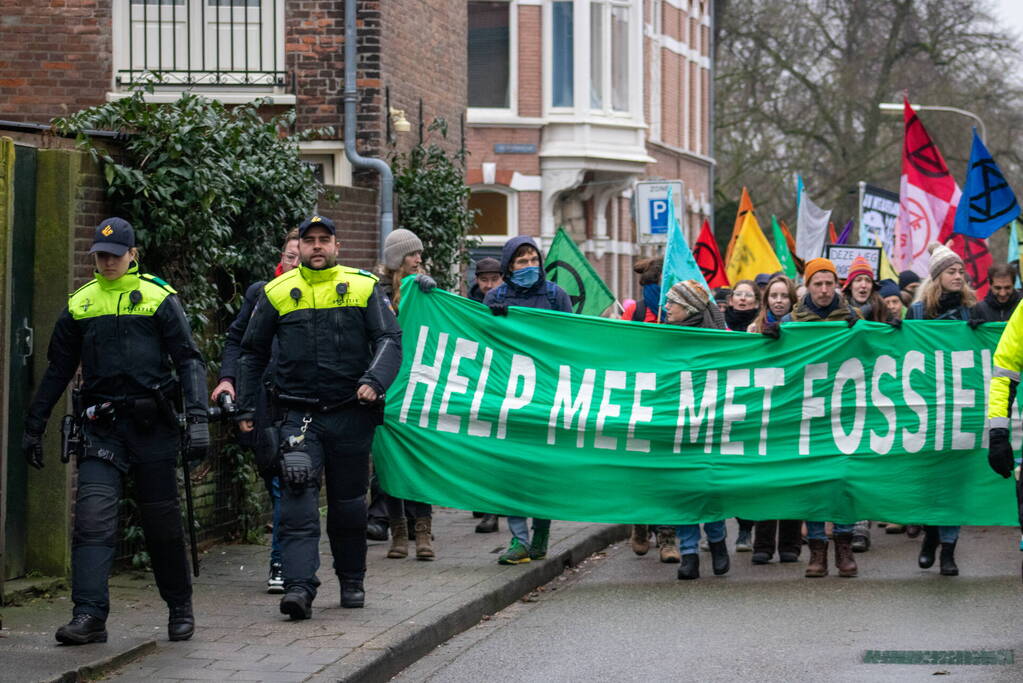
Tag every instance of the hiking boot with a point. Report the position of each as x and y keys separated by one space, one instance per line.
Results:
x=275 y=581
x=844 y=561
x=538 y=546
x=640 y=539
x=424 y=539
x=83 y=629
x=666 y=544
x=760 y=557
x=948 y=560
x=516 y=553
x=180 y=622
x=818 y=564
x=928 y=548
x=689 y=568
x=353 y=595
x=399 y=540
x=487 y=525
x=743 y=542
x=297 y=604
x=719 y=557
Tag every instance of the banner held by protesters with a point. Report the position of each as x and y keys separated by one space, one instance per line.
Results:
x=825 y=423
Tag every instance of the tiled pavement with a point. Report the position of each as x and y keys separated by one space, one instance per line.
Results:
x=411 y=607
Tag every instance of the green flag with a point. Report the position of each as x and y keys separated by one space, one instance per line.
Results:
x=781 y=250
x=557 y=416
x=567 y=267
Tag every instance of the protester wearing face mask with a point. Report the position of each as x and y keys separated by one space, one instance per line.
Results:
x=649 y=271
x=525 y=285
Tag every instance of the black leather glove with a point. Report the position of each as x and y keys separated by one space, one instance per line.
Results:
x=896 y=323
x=198 y=440
x=32 y=446
x=499 y=309
x=296 y=467
x=999 y=451
x=772 y=330
x=426 y=283
x=974 y=323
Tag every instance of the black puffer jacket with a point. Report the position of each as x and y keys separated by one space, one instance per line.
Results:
x=991 y=311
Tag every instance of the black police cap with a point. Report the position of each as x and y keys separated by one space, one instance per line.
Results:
x=113 y=236
x=313 y=221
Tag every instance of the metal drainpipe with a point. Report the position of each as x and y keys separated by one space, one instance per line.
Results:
x=357 y=160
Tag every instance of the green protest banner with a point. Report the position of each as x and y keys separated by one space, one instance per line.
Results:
x=560 y=416
x=567 y=267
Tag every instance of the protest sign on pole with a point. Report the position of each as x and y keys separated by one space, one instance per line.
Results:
x=842 y=256
x=538 y=414
x=879 y=209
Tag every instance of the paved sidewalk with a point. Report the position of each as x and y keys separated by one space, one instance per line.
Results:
x=411 y=607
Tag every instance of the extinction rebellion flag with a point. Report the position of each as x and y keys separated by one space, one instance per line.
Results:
x=557 y=416
x=928 y=196
x=567 y=267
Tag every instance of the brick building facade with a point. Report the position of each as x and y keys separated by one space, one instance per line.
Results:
x=574 y=101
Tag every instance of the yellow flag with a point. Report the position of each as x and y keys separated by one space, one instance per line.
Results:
x=886 y=272
x=745 y=207
x=752 y=254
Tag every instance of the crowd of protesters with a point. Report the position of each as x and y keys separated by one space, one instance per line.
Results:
x=757 y=306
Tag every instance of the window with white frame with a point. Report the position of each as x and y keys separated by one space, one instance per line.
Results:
x=609 y=55
x=562 y=53
x=202 y=44
x=490 y=63
x=495 y=220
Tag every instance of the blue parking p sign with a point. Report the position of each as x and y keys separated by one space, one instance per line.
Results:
x=658 y=216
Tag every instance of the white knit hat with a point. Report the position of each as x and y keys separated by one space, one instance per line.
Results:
x=399 y=244
x=941 y=258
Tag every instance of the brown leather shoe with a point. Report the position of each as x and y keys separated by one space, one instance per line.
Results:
x=818 y=564
x=844 y=561
x=667 y=546
x=640 y=539
x=399 y=539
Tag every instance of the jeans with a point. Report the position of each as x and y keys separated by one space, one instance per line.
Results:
x=948 y=534
x=519 y=526
x=147 y=453
x=815 y=530
x=338 y=445
x=689 y=535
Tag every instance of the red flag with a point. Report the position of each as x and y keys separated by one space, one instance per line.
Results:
x=976 y=260
x=709 y=258
x=832 y=237
x=928 y=196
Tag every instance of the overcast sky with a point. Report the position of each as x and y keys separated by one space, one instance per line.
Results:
x=1010 y=12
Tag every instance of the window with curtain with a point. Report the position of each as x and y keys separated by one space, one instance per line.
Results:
x=489 y=55
x=563 y=62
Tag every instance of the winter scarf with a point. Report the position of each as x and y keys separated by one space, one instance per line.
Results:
x=740 y=320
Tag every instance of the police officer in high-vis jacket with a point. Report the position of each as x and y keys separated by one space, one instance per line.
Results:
x=129 y=333
x=339 y=349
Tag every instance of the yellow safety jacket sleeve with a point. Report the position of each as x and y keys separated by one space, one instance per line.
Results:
x=1008 y=362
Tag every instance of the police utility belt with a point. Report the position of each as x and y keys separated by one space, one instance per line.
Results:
x=147 y=409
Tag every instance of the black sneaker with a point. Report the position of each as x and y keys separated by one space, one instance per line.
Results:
x=180 y=622
x=82 y=629
x=296 y=604
x=275 y=581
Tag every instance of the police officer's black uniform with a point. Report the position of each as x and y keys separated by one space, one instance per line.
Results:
x=127 y=334
x=335 y=332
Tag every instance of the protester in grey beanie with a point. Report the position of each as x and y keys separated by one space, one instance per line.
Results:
x=399 y=244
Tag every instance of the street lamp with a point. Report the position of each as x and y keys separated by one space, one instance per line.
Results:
x=895 y=106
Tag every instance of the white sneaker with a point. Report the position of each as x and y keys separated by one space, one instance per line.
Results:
x=275 y=582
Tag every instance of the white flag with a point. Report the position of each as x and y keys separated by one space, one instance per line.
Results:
x=811 y=228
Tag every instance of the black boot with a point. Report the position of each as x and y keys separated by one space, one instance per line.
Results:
x=296 y=604
x=690 y=567
x=719 y=557
x=487 y=525
x=82 y=629
x=948 y=560
x=930 y=544
x=352 y=593
x=376 y=529
x=180 y=622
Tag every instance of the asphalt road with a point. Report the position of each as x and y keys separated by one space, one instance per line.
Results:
x=619 y=617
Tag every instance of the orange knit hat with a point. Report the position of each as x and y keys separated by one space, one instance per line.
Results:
x=814 y=266
x=859 y=266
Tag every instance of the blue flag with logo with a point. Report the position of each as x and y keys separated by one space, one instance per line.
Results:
x=679 y=262
x=988 y=203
